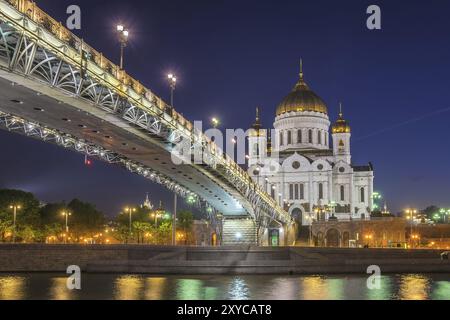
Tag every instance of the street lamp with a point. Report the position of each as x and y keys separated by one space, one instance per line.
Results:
x=123 y=35
x=66 y=215
x=159 y=213
x=215 y=122
x=173 y=85
x=15 y=207
x=130 y=211
x=410 y=215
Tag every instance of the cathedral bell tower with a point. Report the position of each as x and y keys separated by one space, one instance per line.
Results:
x=341 y=139
x=257 y=142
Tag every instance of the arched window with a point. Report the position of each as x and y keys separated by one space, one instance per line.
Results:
x=281 y=138
x=363 y=195
x=319 y=137
x=289 y=139
x=310 y=136
x=342 y=193
x=320 y=191
x=326 y=139
x=299 y=136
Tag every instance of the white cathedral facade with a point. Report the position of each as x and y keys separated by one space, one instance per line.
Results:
x=306 y=172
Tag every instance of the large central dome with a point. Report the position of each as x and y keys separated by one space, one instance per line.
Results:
x=301 y=99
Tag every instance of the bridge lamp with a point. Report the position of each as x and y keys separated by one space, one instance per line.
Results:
x=173 y=85
x=15 y=207
x=215 y=122
x=123 y=35
x=238 y=236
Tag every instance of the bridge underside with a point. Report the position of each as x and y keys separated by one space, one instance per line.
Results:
x=103 y=129
x=54 y=88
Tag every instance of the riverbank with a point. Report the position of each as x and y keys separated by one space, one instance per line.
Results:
x=206 y=260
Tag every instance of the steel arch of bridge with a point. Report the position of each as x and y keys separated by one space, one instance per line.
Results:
x=34 y=46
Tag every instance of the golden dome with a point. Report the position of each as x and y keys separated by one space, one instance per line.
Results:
x=341 y=125
x=302 y=99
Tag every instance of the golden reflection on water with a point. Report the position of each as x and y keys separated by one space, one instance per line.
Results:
x=12 y=288
x=414 y=287
x=154 y=288
x=315 y=288
x=128 y=287
x=59 y=290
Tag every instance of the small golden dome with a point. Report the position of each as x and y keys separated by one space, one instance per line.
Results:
x=302 y=99
x=341 y=125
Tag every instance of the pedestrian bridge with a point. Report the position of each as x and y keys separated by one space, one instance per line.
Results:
x=56 y=88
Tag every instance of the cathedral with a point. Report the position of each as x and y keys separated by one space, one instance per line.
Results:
x=308 y=174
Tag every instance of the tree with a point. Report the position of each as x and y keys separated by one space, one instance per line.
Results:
x=27 y=217
x=85 y=219
x=430 y=211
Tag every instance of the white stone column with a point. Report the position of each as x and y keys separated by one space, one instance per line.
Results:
x=352 y=194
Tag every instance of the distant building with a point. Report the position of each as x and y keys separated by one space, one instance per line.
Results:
x=147 y=203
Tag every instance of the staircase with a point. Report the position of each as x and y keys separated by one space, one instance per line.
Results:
x=238 y=232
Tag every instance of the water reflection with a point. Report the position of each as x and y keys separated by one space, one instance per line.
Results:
x=384 y=292
x=441 y=290
x=133 y=287
x=154 y=288
x=12 y=288
x=189 y=289
x=238 y=289
x=59 y=290
x=128 y=287
x=414 y=287
x=313 y=288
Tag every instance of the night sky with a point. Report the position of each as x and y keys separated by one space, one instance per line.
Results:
x=233 y=55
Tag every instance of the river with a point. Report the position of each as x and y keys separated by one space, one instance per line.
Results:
x=37 y=286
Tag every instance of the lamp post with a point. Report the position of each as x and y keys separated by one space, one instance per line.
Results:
x=311 y=221
x=15 y=207
x=158 y=214
x=174 y=219
x=215 y=122
x=130 y=211
x=173 y=85
x=66 y=215
x=410 y=215
x=123 y=35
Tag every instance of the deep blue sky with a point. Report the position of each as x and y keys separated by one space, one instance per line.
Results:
x=234 y=55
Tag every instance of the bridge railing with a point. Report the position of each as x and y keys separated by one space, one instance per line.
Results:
x=131 y=87
x=33 y=12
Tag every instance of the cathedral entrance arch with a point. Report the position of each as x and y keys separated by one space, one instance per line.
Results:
x=297 y=215
x=332 y=238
